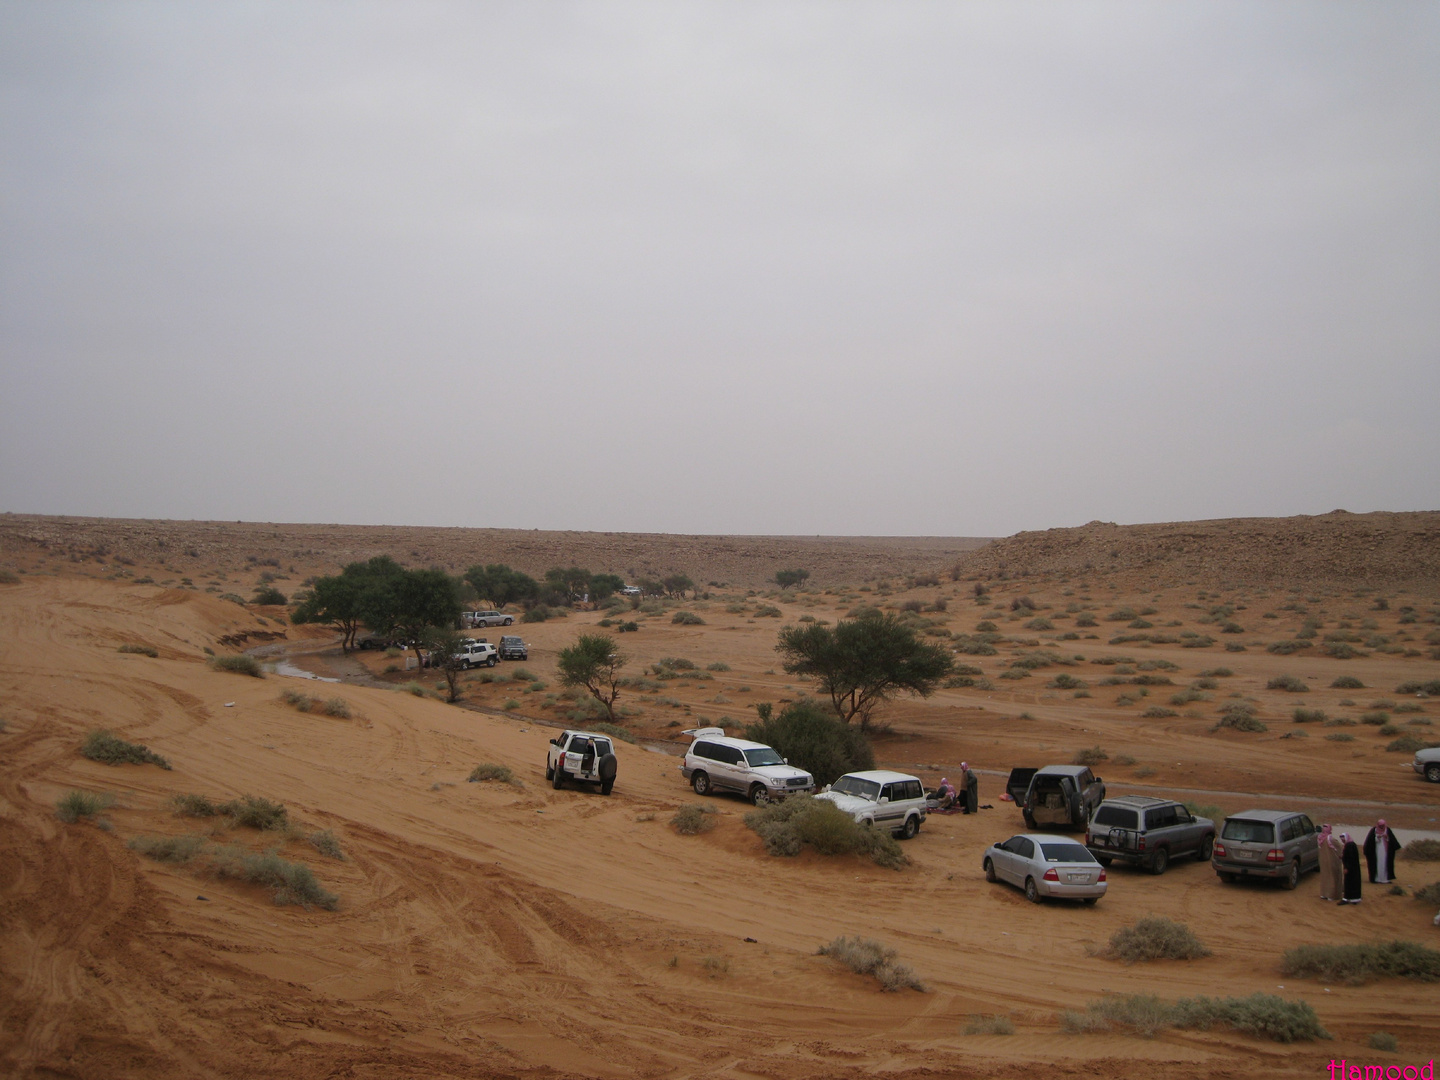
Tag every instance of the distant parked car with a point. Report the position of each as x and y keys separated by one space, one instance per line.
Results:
x=490 y=618
x=1046 y=865
x=887 y=800
x=1056 y=795
x=1275 y=844
x=630 y=590
x=1147 y=832
x=373 y=641
x=1427 y=764
x=716 y=762
x=476 y=654
x=512 y=648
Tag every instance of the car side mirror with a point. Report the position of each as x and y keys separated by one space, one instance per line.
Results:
x=827 y=787
x=884 y=799
x=786 y=760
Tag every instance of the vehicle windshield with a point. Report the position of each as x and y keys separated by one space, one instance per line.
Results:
x=853 y=785
x=1248 y=832
x=763 y=756
x=1066 y=853
x=1117 y=817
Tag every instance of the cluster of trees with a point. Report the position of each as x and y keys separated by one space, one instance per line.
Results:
x=788 y=579
x=407 y=605
x=561 y=586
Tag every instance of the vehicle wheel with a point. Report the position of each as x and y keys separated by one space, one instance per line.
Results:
x=1226 y=877
x=912 y=826
x=1032 y=893
x=1207 y=848
x=1104 y=860
x=1089 y=899
x=1029 y=820
x=559 y=779
x=606 y=786
x=700 y=782
x=549 y=773
x=490 y=662
x=758 y=795
x=990 y=872
x=1292 y=879
x=1432 y=772
x=1159 y=861
x=508 y=620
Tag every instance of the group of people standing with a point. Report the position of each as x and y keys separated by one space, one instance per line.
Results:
x=965 y=797
x=1340 y=861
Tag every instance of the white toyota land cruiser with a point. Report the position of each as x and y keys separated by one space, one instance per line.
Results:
x=887 y=800
x=581 y=755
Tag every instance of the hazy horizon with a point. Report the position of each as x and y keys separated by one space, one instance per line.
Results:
x=787 y=270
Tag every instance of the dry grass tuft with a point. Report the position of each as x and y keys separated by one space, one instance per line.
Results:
x=692 y=819
x=1154 y=938
x=865 y=956
x=109 y=749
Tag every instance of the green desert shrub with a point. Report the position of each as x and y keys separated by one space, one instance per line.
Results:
x=488 y=770
x=268 y=595
x=171 y=849
x=718 y=665
x=693 y=818
x=1407 y=744
x=9 y=577
x=1093 y=755
x=74 y=805
x=1430 y=689
x=292 y=882
x=538 y=613
x=1288 y=683
x=139 y=650
x=256 y=813
x=1155 y=938
x=107 y=748
x=325 y=842
x=1239 y=716
x=1362 y=963
x=1266 y=1015
x=1424 y=850
x=238 y=664
x=1383 y=1040
x=980 y=1024
x=186 y=805
x=1308 y=716
x=687 y=618
x=813 y=739
x=1286 y=647
x=1347 y=682
x=865 y=956
x=788 y=827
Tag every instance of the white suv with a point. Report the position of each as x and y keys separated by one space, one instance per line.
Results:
x=716 y=762
x=476 y=653
x=581 y=755
x=887 y=800
x=490 y=618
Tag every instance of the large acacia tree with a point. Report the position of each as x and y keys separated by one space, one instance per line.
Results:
x=859 y=663
x=343 y=600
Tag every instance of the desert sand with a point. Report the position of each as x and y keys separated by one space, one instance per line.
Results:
x=492 y=929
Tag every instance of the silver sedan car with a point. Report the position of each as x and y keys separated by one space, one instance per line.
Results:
x=1046 y=865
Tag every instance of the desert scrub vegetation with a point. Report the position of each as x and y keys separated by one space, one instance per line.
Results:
x=1239 y=716
x=1288 y=683
x=687 y=618
x=489 y=770
x=865 y=956
x=337 y=707
x=237 y=664
x=1429 y=689
x=1093 y=755
x=1421 y=850
x=801 y=821
x=325 y=842
x=1408 y=744
x=1265 y=1015
x=139 y=650
x=256 y=813
x=693 y=819
x=9 y=577
x=1154 y=938
x=1347 y=682
x=981 y=1024
x=291 y=882
x=74 y=805
x=1308 y=716
x=1362 y=963
x=108 y=749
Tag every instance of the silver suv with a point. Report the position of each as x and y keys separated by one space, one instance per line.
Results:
x=1266 y=844
x=887 y=800
x=1147 y=832
x=716 y=762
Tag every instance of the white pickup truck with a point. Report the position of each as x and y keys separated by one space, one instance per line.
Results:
x=477 y=653
x=581 y=755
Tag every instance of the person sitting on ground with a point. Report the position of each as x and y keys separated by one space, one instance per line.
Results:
x=945 y=794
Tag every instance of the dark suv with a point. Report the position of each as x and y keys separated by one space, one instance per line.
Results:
x=1147 y=832
x=512 y=648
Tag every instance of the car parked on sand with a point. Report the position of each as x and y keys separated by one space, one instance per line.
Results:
x=1276 y=844
x=476 y=654
x=1427 y=764
x=490 y=618
x=512 y=648
x=582 y=755
x=1147 y=832
x=716 y=762
x=886 y=800
x=1056 y=795
x=1046 y=865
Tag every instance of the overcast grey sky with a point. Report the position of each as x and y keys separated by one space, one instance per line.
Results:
x=856 y=268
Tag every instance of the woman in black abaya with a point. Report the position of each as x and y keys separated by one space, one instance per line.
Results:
x=1350 y=862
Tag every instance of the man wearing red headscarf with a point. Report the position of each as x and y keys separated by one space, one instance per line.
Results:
x=1381 y=847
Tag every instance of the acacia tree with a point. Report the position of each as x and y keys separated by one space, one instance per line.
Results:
x=573 y=583
x=676 y=585
x=603 y=586
x=409 y=603
x=345 y=599
x=789 y=578
x=861 y=662
x=594 y=663
x=501 y=585
x=443 y=645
